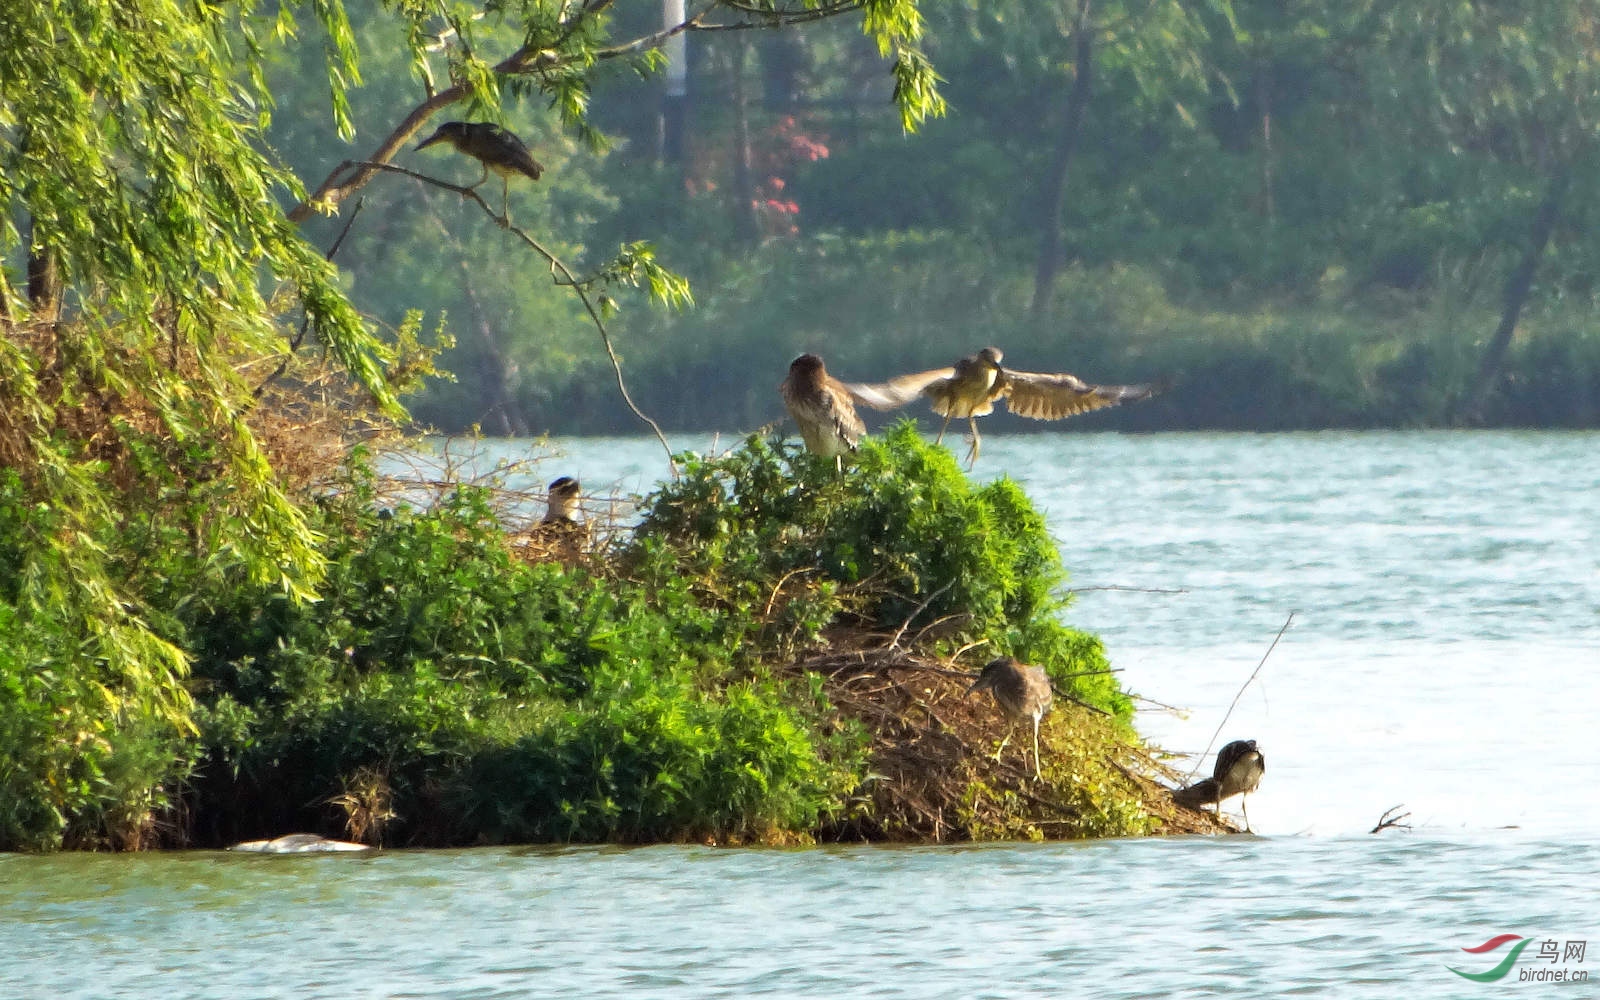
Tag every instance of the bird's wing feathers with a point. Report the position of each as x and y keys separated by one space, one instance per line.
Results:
x=843 y=414
x=823 y=414
x=897 y=391
x=1054 y=397
x=1230 y=755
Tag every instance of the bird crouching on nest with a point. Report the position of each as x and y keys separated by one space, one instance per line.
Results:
x=972 y=386
x=821 y=406
x=493 y=146
x=1022 y=692
x=562 y=507
x=1238 y=771
x=560 y=536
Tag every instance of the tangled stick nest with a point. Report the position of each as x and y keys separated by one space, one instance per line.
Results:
x=933 y=774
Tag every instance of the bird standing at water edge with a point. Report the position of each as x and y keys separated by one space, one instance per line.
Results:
x=1022 y=691
x=1238 y=771
x=1239 y=768
x=972 y=386
x=821 y=406
x=494 y=147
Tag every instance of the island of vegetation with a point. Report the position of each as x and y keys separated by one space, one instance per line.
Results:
x=775 y=652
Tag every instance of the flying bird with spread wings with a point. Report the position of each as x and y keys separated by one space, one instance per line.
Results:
x=972 y=386
x=822 y=406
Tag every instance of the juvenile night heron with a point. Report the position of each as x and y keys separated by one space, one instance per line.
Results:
x=1239 y=768
x=496 y=148
x=563 y=504
x=820 y=404
x=1238 y=771
x=560 y=536
x=1022 y=691
x=972 y=386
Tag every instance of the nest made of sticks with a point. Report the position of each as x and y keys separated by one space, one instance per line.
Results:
x=933 y=774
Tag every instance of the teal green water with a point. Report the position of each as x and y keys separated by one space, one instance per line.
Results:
x=1443 y=656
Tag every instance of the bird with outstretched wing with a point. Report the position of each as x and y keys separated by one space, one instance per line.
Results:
x=972 y=386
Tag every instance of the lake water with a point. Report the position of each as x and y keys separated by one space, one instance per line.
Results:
x=1444 y=655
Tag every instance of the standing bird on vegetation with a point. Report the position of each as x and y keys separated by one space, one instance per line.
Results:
x=821 y=405
x=1022 y=691
x=494 y=147
x=974 y=384
x=1238 y=771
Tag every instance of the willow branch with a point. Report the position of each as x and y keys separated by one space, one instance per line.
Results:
x=305 y=322
x=556 y=264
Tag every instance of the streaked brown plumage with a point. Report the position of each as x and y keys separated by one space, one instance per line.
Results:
x=1022 y=692
x=1238 y=771
x=821 y=406
x=560 y=536
x=493 y=146
x=972 y=386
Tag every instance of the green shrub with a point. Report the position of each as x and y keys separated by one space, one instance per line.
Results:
x=901 y=535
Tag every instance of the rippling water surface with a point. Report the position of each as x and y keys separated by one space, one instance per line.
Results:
x=1444 y=654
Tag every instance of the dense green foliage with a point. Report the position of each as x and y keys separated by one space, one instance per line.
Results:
x=444 y=690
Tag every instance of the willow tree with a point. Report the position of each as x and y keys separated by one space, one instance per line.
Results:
x=149 y=276
x=153 y=286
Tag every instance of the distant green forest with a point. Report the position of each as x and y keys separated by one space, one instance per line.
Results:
x=1311 y=214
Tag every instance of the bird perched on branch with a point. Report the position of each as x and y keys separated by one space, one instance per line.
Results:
x=1022 y=691
x=496 y=148
x=972 y=386
x=821 y=405
x=1238 y=771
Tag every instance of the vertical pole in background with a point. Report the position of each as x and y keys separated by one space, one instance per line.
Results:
x=675 y=101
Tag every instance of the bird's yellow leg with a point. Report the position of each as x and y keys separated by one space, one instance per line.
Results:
x=505 y=199
x=1038 y=776
x=972 y=453
x=1002 y=748
x=940 y=439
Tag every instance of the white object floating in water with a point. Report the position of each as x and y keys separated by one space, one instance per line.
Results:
x=298 y=843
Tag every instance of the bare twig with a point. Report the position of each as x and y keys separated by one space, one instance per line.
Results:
x=1240 y=694
x=1389 y=821
x=1131 y=590
x=580 y=288
x=778 y=588
x=305 y=322
x=919 y=609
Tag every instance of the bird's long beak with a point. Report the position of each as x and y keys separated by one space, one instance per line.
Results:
x=976 y=685
x=430 y=140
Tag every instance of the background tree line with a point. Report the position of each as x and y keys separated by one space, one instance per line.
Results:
x=1315 y=214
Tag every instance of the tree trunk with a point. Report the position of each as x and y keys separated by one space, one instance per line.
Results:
x=746 y=225
x=1264 y=106
x=44 y=283
x=1518 y=284
x=1055 y=182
